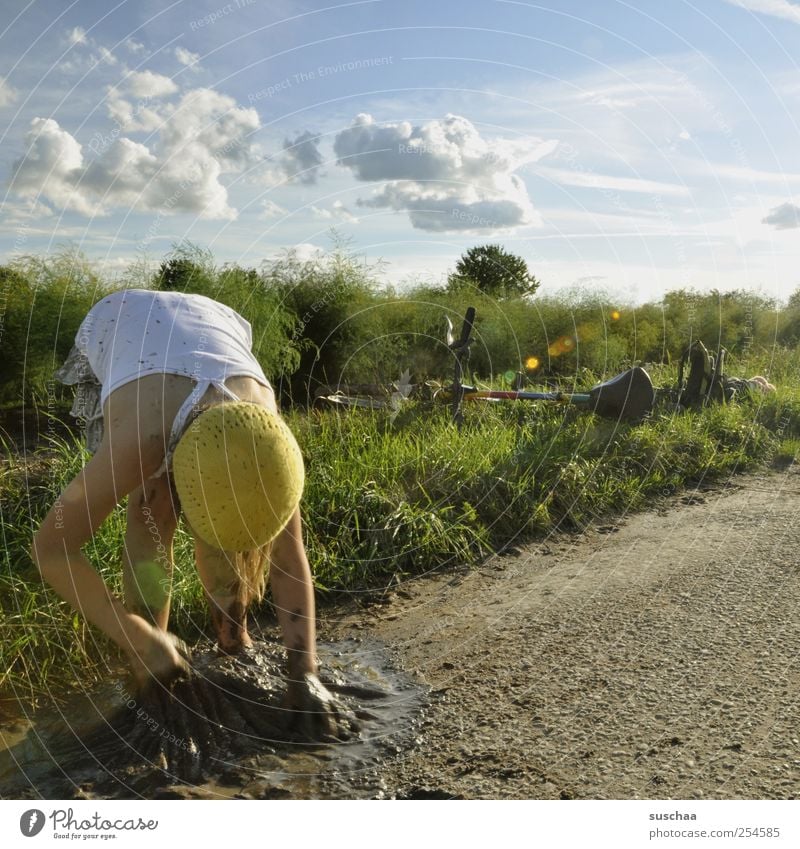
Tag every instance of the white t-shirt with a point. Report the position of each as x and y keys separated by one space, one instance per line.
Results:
x=136 y=332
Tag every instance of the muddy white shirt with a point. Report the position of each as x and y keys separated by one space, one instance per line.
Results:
x=137 y=332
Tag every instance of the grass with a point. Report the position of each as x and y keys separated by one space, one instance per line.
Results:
x=388 y=498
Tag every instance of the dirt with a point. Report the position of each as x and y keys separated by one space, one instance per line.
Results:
x=221 y=731
x=655 y=656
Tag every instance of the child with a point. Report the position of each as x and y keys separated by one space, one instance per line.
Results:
x=185 y=419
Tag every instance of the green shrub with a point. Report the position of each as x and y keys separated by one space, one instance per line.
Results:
x=45 y=300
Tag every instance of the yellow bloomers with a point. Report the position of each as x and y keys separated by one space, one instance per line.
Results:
x=239 y=475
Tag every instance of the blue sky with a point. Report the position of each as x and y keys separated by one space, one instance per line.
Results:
x=628 y=147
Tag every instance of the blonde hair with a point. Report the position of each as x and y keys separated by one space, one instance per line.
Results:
x=252 y=571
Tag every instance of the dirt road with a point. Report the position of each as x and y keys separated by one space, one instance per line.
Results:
x=658 y=657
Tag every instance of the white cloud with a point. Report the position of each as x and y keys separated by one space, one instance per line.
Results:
x=202 y=137
x=77 y=35
x=211 y=121
x=301 y=158
x=7 y=94
x=186 y=57
x=460 y=207
x=136 y=117
x=105 y=56
x=80 y=59
x=342 y=212
x=738 y=173
x=126 y=173
x=337 y=211
x=270 y=209
x=320 y=212
x=133 y=46
x=443 y=173
x=51 y=167
x=588 y=179
x=148 y=84
x=625 y=94
x=783 y=217
x=632 y=113
x=305 y=252
x=777 y=8
x=19 y=213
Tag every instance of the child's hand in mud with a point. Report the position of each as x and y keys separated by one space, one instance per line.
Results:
x=157 y=656
x=316 y=713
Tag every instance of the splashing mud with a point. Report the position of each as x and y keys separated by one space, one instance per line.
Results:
x=220 y=733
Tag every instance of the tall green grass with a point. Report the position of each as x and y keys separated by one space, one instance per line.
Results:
x=334 y=319
x=387 y=498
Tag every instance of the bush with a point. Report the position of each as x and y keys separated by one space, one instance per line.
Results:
x=45 y=299
x=338 y=328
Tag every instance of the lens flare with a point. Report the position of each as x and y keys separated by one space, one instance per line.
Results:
x=532 y=363
x=562 y=346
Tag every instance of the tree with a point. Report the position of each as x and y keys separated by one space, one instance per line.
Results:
x=495 y=272
x=188 y=268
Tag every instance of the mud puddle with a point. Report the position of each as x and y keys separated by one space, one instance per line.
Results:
x=225 y=739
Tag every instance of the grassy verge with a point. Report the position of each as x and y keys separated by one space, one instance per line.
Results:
x=387 y=498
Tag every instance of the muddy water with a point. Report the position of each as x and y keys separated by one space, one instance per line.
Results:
x=93 y=746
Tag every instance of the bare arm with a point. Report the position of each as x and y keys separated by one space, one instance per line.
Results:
x=316 y=711
x=78 y=512
x=293 y=594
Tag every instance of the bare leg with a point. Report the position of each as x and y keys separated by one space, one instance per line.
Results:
x=131 y=452
x=148 y=560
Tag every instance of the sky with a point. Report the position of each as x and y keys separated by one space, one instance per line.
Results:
x=630 y=148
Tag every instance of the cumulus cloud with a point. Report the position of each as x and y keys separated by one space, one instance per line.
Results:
x=461 y=208
x=52 y=166
x=140 y=102
x=301 y=158
x=200 y=138
x=783 y=217
x=210 y=121
x=186 y=57
x=7 y=94
x=149 y=84
x=133 y=46
x=443 y=173
x=138 y=116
